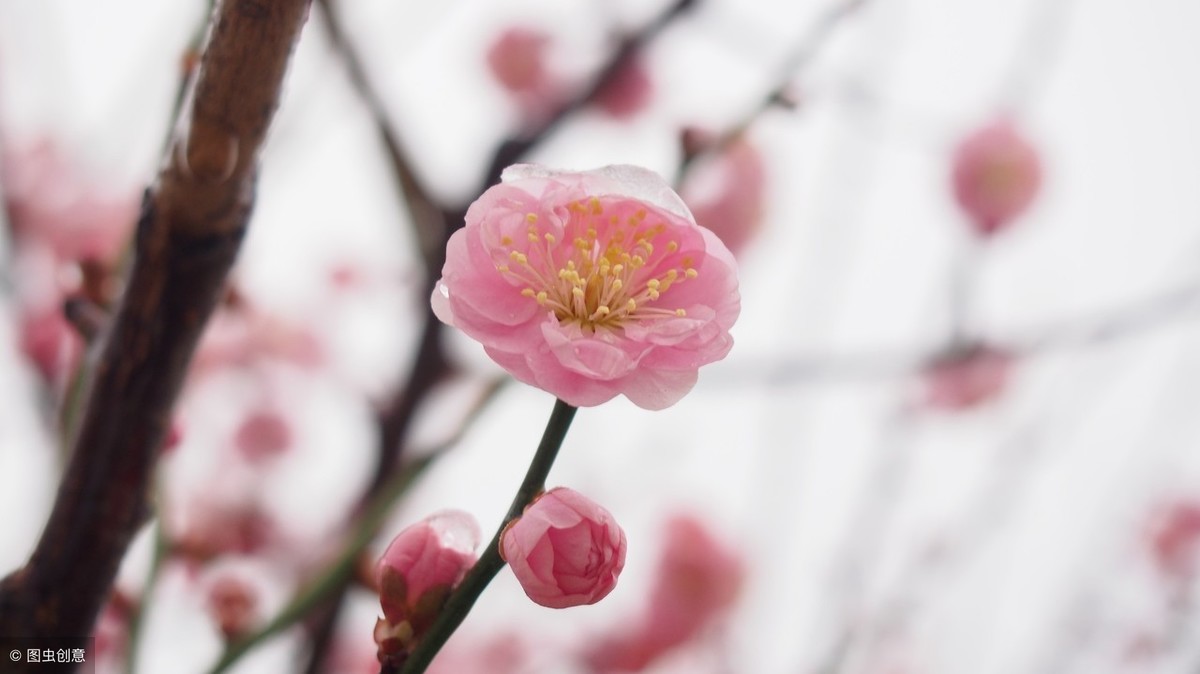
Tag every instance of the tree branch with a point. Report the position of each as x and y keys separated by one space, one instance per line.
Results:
x=189 y=232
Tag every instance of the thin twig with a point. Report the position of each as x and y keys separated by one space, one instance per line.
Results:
x=190 y=230
x=1128 y=321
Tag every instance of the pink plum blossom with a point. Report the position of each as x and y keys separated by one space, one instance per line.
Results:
x=591 y=284
x=519 y=62
x=416 y=574
x=727 y=195
x=517 y=59
x=565 y=550
x=996 y=175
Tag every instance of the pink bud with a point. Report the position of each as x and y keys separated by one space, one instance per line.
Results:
x=517 y=59
x=627 y=91
x=996 y=175
x=565 y=550
x=423 y=564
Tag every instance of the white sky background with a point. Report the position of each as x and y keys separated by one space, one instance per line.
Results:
x=857 y=256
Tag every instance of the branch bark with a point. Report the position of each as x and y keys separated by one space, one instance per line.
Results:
x=188 y=235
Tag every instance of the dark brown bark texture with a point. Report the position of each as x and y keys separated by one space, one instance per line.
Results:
x=190 y=229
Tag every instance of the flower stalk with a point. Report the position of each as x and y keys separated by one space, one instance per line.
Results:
x=490 y=563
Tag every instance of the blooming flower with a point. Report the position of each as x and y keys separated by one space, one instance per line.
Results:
x=565 y=550
x=589 y=285
x=416 y=574
x=996 y=175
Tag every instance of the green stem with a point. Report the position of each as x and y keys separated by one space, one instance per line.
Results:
x=490 y=563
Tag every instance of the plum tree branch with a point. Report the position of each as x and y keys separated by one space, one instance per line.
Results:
x=188 y=234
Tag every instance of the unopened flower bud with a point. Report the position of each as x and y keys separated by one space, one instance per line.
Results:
x=416 y=574
x=996 y=176
x=565 y=550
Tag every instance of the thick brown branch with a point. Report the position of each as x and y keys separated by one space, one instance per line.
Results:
x=188 y=235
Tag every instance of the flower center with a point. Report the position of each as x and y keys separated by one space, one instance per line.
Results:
x=611 y=272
